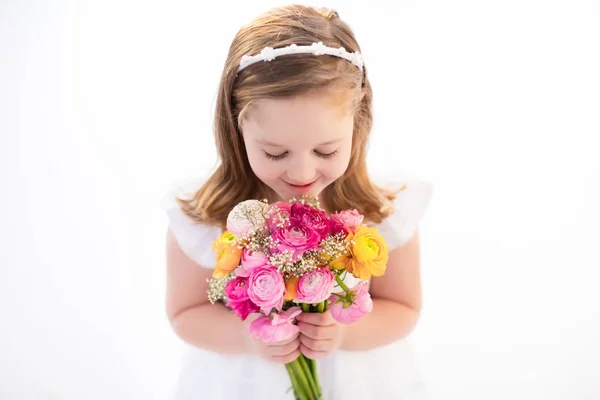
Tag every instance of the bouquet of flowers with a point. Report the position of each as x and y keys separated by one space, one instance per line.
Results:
x=282 y=259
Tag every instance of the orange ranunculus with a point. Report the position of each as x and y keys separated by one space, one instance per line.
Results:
x=290 y=288
x=340 y=262
x=228 y=255
x=368 y=255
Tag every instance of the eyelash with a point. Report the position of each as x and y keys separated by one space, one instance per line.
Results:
x=318 y=154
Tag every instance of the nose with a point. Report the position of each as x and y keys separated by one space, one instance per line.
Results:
x=302 y=171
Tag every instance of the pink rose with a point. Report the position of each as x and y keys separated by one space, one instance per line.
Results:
x=315 y=286
x=246 y=217
x=312 y=218
x=352 y=306
x=349 y=219
x=251 y=260
x=266 y=288
x=281 y=327
x=237 y=295
x=296 y=238
x=279 y=215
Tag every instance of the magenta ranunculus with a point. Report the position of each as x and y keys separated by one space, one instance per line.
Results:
x=296 y=238
x=315 y=286
x=350 y=219
x=266 y=288
x=337 y=227
x=251 y=260
x=278 y=328
x=238 y=299
x=279 y=215
x=350 y=308
x=311 y=217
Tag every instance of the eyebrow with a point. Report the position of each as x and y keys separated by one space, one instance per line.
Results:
x=271 y=144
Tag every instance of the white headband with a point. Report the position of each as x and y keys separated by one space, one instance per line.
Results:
x=269 y=53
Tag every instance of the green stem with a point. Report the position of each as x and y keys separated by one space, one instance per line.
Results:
x=298 y=392
x=341 y=283
x=303 y=390
x=304 y=369
x=321 y=306
x=314 y=390
x=313 y=367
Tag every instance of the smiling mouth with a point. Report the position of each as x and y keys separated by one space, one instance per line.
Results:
x=301 y=188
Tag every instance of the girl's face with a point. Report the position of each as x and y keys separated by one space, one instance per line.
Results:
x=298 y=145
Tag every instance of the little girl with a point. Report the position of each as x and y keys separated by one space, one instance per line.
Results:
x=293 y=117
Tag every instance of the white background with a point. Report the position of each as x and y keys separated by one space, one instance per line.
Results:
x=105 y=105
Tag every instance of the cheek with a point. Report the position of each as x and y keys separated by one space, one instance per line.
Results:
x=336 y=167
x=265 y=169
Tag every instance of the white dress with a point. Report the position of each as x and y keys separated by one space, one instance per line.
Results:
x=389 y=372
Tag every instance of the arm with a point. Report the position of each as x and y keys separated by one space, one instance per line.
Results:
x=396 y=301
x=193 y=318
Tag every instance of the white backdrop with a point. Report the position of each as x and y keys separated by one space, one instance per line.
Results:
x=105 y=105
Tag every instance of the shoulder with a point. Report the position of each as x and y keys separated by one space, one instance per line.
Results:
x=409 y=207
x=193 y=238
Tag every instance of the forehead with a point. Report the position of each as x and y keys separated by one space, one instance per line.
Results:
x=300 y=121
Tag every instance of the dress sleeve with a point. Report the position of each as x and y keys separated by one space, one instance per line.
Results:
x=409 y=208
x=194 y=238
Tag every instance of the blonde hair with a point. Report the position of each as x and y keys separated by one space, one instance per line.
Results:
x=233 y=181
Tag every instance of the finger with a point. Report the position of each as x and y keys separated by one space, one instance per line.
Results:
x=317 y=332
x=284 y=342
x=316 y=345
x=286 y=358
x=283 y=349
x=321 y=319
x=313 y=355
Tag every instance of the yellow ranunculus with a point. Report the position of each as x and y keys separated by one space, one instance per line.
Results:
x=368 y=255
x=228 y=255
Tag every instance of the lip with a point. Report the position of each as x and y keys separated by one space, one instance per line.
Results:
x=301 y=189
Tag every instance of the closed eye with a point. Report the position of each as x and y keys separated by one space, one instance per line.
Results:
x=284 y=154
x=276 y=157
x=325 y=155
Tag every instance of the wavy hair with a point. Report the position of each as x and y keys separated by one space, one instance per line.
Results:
x=233 y=181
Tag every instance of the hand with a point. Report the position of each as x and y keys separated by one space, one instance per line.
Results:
x=279 y=352
x=320 y=334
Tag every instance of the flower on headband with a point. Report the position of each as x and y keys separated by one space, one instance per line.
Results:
x=268 y=53
x=319 y=48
